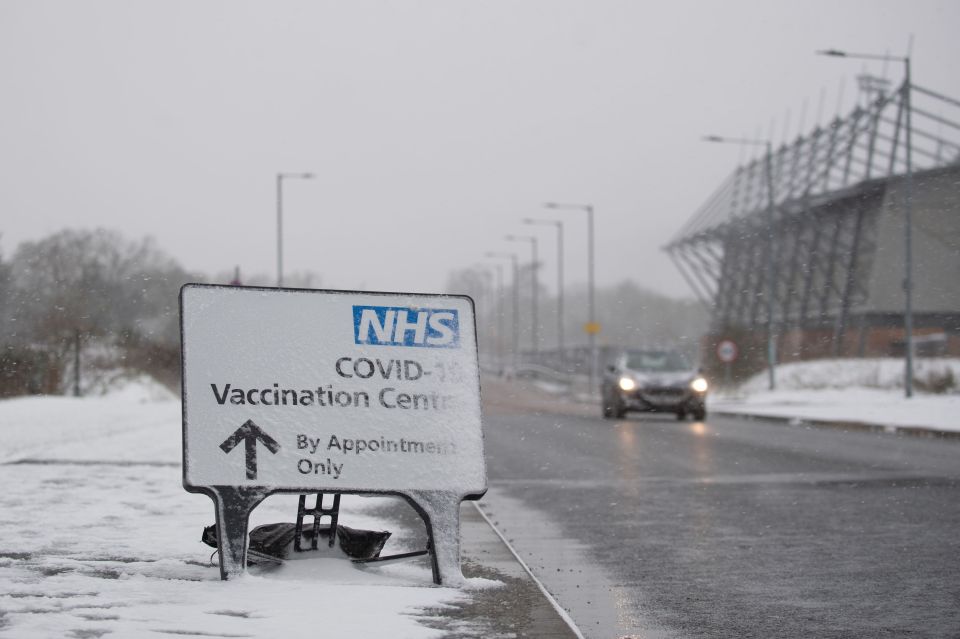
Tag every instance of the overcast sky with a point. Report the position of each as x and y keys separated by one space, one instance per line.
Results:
x=433 y=127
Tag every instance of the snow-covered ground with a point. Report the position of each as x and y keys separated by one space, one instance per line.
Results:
x=853 y=390
x=97 y=537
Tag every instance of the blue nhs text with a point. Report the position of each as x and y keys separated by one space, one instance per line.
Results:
x=398 y=326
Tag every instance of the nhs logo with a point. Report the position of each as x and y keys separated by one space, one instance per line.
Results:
x=399 y=326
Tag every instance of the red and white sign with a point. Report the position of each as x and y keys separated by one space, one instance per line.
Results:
x=727 y=351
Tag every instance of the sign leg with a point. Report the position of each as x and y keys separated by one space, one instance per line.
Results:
x=441 y=511
x=233 y=506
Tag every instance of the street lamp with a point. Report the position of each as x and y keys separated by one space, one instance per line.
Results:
x=516 y=301
x=500 y=318
x=592 y=327
x=558 y=224
x=535 y=322
x=771 y=285
x=908 y=206
x=280 y=178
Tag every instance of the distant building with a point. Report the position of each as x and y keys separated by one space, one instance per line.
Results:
x=838 y=236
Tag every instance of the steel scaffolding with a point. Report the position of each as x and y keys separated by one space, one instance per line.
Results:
x=828 y=187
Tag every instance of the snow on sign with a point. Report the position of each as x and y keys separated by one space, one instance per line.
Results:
x=288 y=390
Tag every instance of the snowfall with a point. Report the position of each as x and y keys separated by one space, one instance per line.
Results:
x=97 y=536
x=853 y=391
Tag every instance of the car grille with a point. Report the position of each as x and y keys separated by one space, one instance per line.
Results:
x=661 y=394
x=664 y=390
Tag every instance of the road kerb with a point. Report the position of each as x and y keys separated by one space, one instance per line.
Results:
x=841 y=424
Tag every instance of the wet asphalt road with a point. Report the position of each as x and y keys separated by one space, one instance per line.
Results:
x=649 y=527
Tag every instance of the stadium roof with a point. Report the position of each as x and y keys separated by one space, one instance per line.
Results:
x=831 y=161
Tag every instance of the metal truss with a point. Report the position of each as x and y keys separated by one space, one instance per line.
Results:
x=827 y=190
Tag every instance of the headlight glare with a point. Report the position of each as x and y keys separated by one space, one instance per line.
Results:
x=627 y=384
x=699 y=385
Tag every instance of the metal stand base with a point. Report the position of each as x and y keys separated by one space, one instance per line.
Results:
x=440 y=512
x=318 y=512
x=233 y=507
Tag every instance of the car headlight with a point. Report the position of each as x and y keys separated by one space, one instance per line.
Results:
x=627 y=384
x=699 y=385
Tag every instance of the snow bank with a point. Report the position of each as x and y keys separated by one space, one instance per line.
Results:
x=877 y=373
x=98 y=537
x=852 y=390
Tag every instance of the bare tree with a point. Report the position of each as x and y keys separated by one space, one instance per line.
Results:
x=93 y=285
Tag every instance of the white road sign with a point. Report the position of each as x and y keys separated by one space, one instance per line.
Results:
x=291 y=390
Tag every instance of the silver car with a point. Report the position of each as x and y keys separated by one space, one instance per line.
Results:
x=657 y=381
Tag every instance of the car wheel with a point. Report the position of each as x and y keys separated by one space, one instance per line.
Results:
x=700 y=414
x=681 y=415
x=613 y=407
x=606 y=405
x=619 y=410
x=606 y=409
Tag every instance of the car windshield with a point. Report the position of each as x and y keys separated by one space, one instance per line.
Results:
x=658 y=361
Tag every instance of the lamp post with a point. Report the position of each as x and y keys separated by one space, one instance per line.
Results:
x=280 y=178
x=771 y=285
x=516 y=301
x=908 y=209
x=534 y=305
x=558 y=224
x=500 y=318
x=592 y=326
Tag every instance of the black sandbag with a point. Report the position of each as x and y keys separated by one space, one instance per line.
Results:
x=276 y=540
x=362 y=544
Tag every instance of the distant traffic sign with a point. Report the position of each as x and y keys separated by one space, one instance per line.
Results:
x=727 y=351
x=331 y=391
x=591 y=328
